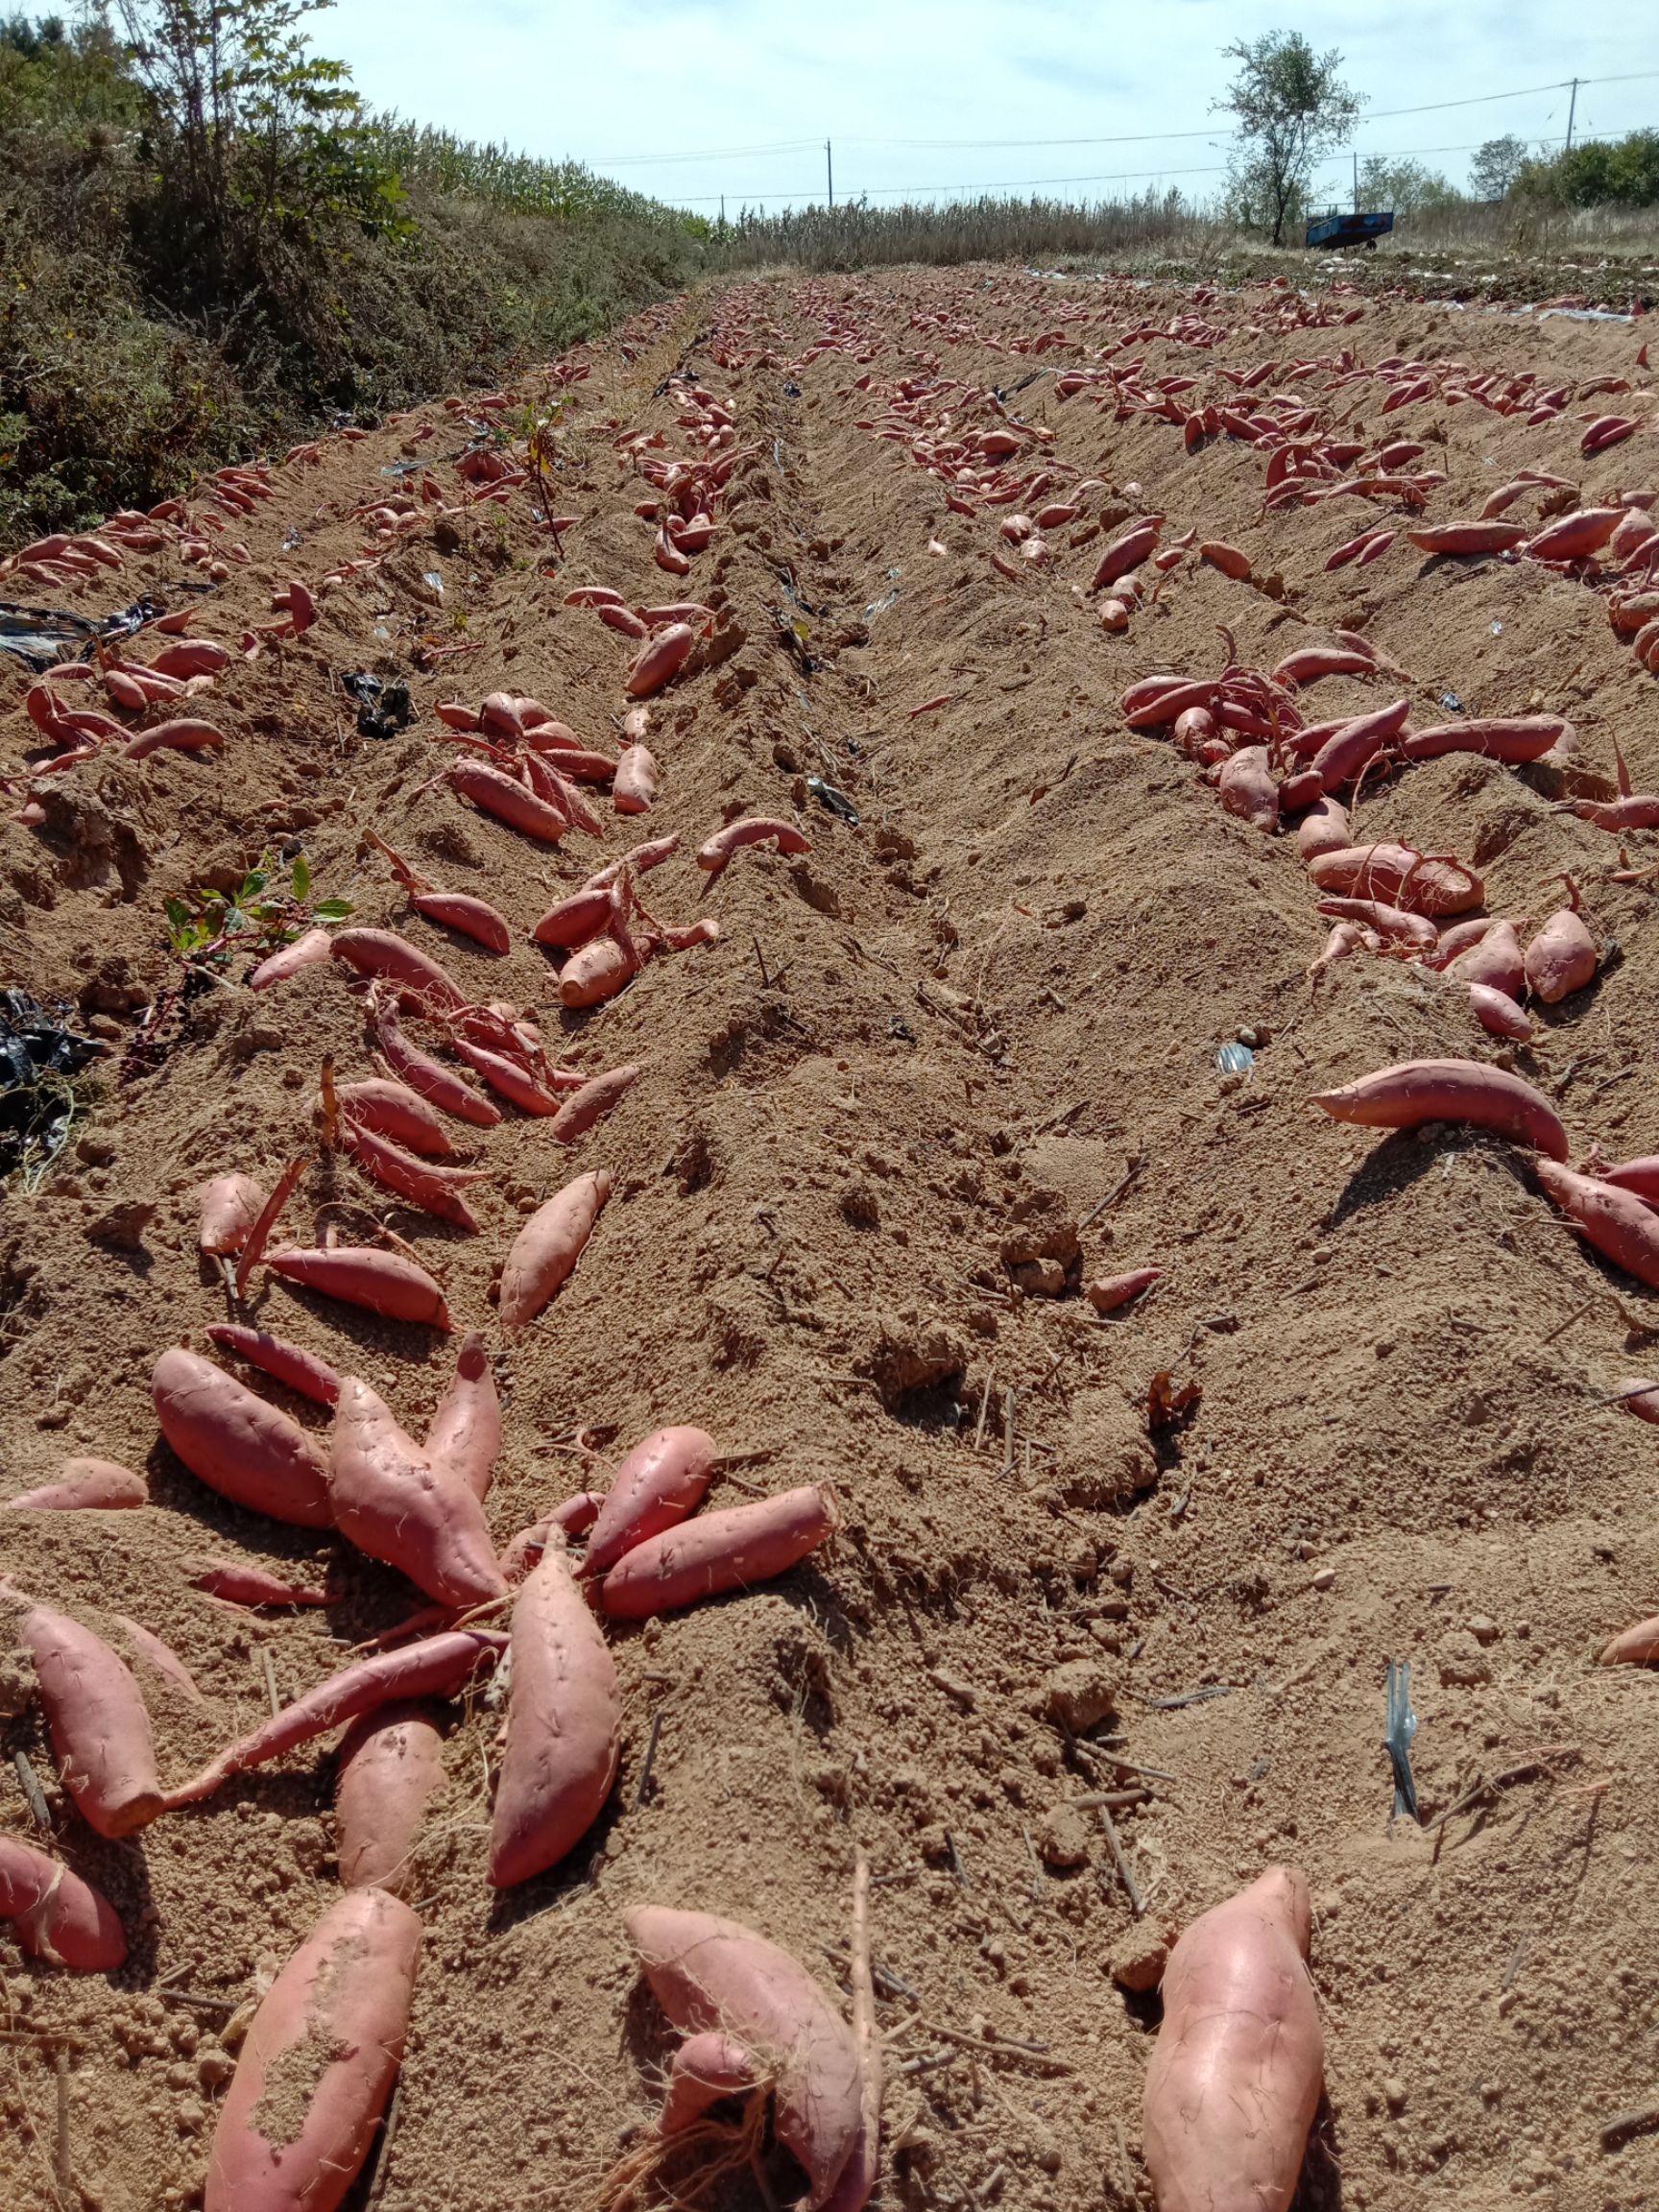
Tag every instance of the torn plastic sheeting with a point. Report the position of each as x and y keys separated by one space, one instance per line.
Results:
x=382 y=708
x=39 y=1054
x=40 y=636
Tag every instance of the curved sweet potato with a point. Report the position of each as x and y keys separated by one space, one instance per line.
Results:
x=58 y=1916
x=393 y=1110
x=319 y=2063
x=1356 y=744
x=1562 y=958
x=84 y=1483
x=99 y=1725
x=1495 y=959
x=301 y=1370
x=236 y=1583
x=464 y=1437
x=1323 y=828
x=1639 y=1175
x=416 y=976
x=1417 y=1090
x=1402 y=878
x=1637 y=1645
x=230 y=1207
x=307 y=951
x=719 y=1551
x=548 y=1246
x=393 y=1504
x=709 y=1975
x=1498 y=1014
x=1615 y=1221
x=1235 y=2076
x=660 y=1482
x=564 y=1725
x=390 y=1762
x=586 y=1106
x=714 y=852
x=1495 y=737
x=247 y=1451
x=1113 y=1290
x=362 y=1275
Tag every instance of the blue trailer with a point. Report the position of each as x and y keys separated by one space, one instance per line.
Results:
x=1338 y=231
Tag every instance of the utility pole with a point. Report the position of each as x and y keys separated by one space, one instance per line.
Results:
x=722 y=211
x=1571 y=110
x=830 y=170
x=1356 y=181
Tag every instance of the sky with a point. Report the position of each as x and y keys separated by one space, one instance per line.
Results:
x=929 y=99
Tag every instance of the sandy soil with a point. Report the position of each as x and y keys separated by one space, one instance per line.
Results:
x=916 y=1060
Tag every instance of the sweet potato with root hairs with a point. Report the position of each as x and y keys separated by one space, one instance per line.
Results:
x=463 y=1440
x=1485 y=535
x=1498 y=1014
x=1390 y=921
x=1309 y=663
x=715 y=1976
x=235 y=1584
x=447 y=1090
x=1621 y=1226
x=58 y=1916
x=594 y=1100
x=1247 y=789
x=82 y=1485
x=1238 y=2069
x=392 y=1109
x=661 y=660
x=438 y=1667
x=1495 y=960
x=435 y=1190
x=1358 y=743
x=1637 y=1645
x=704 y=2070
x=548 y=1246
x=308 y=950
x=1413 y=1092
x=99 y=1726
x=301 y=1370
x=1420 y=885
x=229 y=1207
x=1323 y=828
x=390 y=1762
x=1514 y=738
x=416 y=977
x=396 y=1288
x=1110 y=1291
x=564 y=1725
x=509 y=1078
x=596 y=971
x=635 y=790
x=717 y=851
x=233 y=1441
x=660 y=1482
x=714 y=1552
x=574 y=920
x=332 y=2024
x=1563 y=958
x=393 y=1505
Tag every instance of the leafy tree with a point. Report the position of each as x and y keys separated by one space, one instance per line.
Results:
x=64 y=80
x=1293 y=109
x=1495 y=166
x=1406 y=187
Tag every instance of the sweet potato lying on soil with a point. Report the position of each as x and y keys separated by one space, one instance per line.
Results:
x=563 y=1725
x=56 y=1915
x=230 y=1206
x=319 y=2063
x=99 y=1725
x=1111 y=1292
x=81 y=1483
x=301 y=1370
x=717 y=1976
x=394 y=1506
x=1417 y=1090
x=1237 y=2072
x=387 y=1283
x=390 y=1762
x=1617 y=1222
x=548 y=1246
x=660 y=1482
x=465 y=1439
x=235 y=1584
x=247 y=1451
x=720 y=1552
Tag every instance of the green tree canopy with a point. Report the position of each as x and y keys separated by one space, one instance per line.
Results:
x=1293 y=109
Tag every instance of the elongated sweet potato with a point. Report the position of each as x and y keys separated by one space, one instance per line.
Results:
x=431 y=1078
x=1621 y=1226
x=548 y=1246
x=1419 y=883
x=100 y=1727
x=564 y=1725
x=1238 y=2069
x=1356 y=744
x=718 y=1552
x=660 y=1482
x=393 y=1110
x=1417 y=1090
x=464 y=1437
x=1637 y=1645
x=393 y=1505
x=591 y=1102
x=317 y=2066
x=433 y=1189
x=230 y=1207
x=717 y=1976
x=1639 y=1175
x=1498 y=1014
x=307 y=951
x=235 y=1584
x=1111 y=1292
x=82 y=1485
x=416 y=977
x=715 y=851
x=301 y=1370
x=438 y=1667
x=235 y=1443
x=58 y=1916
x=362 y=1275
x=390 y=1762
x=1495 y=737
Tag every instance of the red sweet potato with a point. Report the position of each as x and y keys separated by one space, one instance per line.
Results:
x=230 y=1207
x=661 y=660
x=1562 y=958
x=594 y=1100
x=1498 y=1014
x=390 y=1762
x=635 y=790
x=394 y=1506
x=1236 y=2075
x=1495 y=737
x=416 y=977
x=714 y=852
x=1639 y=1175
x=1247 y=788
x=452 y=1093
x=563 y=1725
x=319 y=2063
x=465 y=1439
x=1420 y=885
x=713 y=1975
x=1495 y=960
x=393 y=1110
x=719 y=1551
x=84 y=1483
x=1417 y=1090
x=432 y=1189
x=236 y=1583
x=1637 y=1645
x=58 y=1916
x=307 y=951
x=1111 y=1292
x=1620 y=1225
x=237 y=1444
x=1323 y=828
x=99 y=1729
x=302 y=1371
x=548 y=1246
x=660 y=1482
x=362 y=1275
